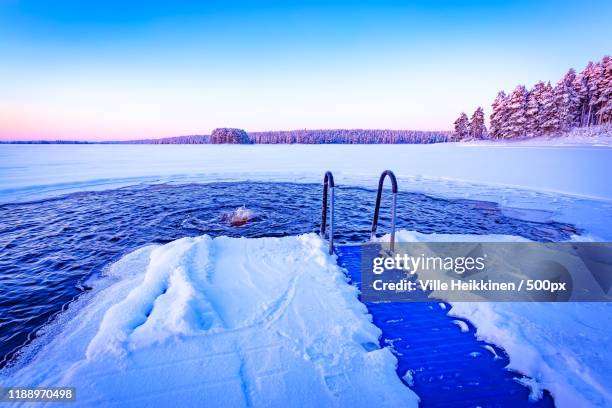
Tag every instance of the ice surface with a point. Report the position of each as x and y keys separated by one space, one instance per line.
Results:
x=571 y=170
x=567 y=184
x=563 y=347
x=223 y=322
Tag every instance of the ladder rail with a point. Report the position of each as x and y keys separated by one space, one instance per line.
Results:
x=381 y=183
x=328 y=188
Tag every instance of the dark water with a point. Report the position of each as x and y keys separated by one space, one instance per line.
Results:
x=48 y=249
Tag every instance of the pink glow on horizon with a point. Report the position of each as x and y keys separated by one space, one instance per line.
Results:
x=39 y=121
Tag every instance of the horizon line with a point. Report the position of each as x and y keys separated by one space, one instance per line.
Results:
x=85 y=141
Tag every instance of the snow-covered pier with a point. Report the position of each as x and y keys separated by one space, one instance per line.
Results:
x=222 y=322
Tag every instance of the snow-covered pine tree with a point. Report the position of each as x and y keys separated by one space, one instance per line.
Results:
x=462 y=127
x=567 y=101
x=515 y=126
x=478 y=129
x=596 y=80
x=605 y=93
x=582 y=90
x=532 y=113
x=499 y=115
x=548 y=116
x=588 y=82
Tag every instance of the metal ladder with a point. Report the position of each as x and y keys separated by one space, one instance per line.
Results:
x=328 y=184
x=328 y=187
x=381 y=182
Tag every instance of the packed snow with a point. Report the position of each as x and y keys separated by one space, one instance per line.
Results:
x=241 y=322
x=563 y=347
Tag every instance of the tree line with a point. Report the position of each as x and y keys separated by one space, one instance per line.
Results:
x=577 y=100
x=349 y=136
x=188 y=139
x=307 y=136
x=302 y=136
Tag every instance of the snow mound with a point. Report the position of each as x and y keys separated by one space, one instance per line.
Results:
x=564 y=347
x=233 y=322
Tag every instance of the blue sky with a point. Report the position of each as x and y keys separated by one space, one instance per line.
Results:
x=108 y=70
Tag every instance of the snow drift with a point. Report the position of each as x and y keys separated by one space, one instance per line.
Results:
x=228 y=322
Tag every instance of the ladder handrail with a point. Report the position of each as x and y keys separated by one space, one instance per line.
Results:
x=381 y=182
x=328 y=183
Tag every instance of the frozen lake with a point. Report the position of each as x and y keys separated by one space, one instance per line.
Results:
x=35 y=169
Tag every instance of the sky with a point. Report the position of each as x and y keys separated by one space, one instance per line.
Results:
x=117 y=70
